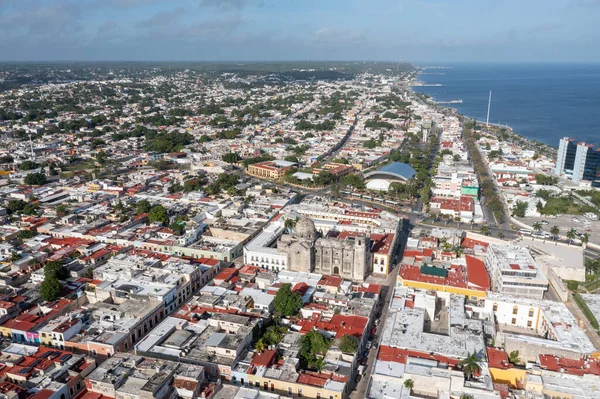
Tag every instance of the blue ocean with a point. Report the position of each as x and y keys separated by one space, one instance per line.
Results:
x=539 y=101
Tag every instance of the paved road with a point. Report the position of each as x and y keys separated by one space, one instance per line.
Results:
x=360 y=391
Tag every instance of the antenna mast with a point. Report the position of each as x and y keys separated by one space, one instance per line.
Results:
x=487 y=121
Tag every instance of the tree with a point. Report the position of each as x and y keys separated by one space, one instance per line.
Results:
x=353 y=180
x=291 y=158
x=571 y=234
x=555 y=231
x=50 y=289
x=27 y=234
x=466 y=396
x=520 y=209
x=102 y=158
x=232 y=157
x=470 y=365
x=312 y=345
x=260 y=346
x=348 y=344
x=35 y=179
x=318 y=364
x=290 y=224
x=485 y=229
x=28 y=165
x=286 y=302
x=62 y=210
x=178 y=228
x=514 y=358
x=537 y=226
x=585 y=238
x=143 y=206
x=56 y=270
x=500 y=235
x=158 y=214
x=16 y=206
x=409 y=383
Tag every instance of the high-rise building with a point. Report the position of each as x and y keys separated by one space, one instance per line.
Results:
x=578 y=162
x=565 y=158
x=587 y=164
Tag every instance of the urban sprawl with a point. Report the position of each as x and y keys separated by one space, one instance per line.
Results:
x=285 y=231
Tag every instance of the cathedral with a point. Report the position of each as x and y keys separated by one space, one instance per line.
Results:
x=349 y=258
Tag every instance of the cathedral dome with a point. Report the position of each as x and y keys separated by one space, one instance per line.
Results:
x=305 y=228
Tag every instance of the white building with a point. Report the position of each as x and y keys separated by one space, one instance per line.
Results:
x=261 y=251
x=513 y=271
x=537 y=327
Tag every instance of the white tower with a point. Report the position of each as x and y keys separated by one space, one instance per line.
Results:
x=487 y=121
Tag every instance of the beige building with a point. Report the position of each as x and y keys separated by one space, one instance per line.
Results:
x=267 y=170
x=349 y=258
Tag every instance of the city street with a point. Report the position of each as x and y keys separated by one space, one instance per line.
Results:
x=360 y=391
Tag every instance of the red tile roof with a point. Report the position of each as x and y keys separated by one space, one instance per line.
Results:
x=381 y=243
x=570 y=366
x=477 y=274
x=331 y=281
x=264 y=359
x=498 y=358
x=389 y=354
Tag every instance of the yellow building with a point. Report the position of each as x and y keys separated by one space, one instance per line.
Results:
x=468 y=292
x=299 y=389
x=268 y=170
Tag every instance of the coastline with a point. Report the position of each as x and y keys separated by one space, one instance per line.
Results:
x=431 y=101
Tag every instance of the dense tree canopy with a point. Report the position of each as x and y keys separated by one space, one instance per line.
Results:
x=286 y=302
x=36 y=179
x=158 y=214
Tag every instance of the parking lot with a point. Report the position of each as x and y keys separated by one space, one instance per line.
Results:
x=567 y=222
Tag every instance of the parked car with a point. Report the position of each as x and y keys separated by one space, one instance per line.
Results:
x=364 y=361
x=369 y=344
x=358 y=378
x=544 y=222
x=373 y=330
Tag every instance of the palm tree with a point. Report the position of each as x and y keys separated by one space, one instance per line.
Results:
x=555 y=231
x=537 y=226
x=571 y=235
x=260 y=346
x=585 y=239
x=409 y=383
x=318 y=364
x=470 y=365
x=485 y=229
x=513 y=357
x=290 y=224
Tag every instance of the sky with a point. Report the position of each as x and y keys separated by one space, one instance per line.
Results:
x=418 y=31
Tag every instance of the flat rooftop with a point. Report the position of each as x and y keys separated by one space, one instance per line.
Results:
x=405 y=328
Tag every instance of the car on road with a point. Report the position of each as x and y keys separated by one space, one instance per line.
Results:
x=358 y=378
x=544 y=222
x=373 y=330
x=366 y=353
x=364 y=361
x=369 y=345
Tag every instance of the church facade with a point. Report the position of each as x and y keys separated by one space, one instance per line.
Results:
x=349 y=258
